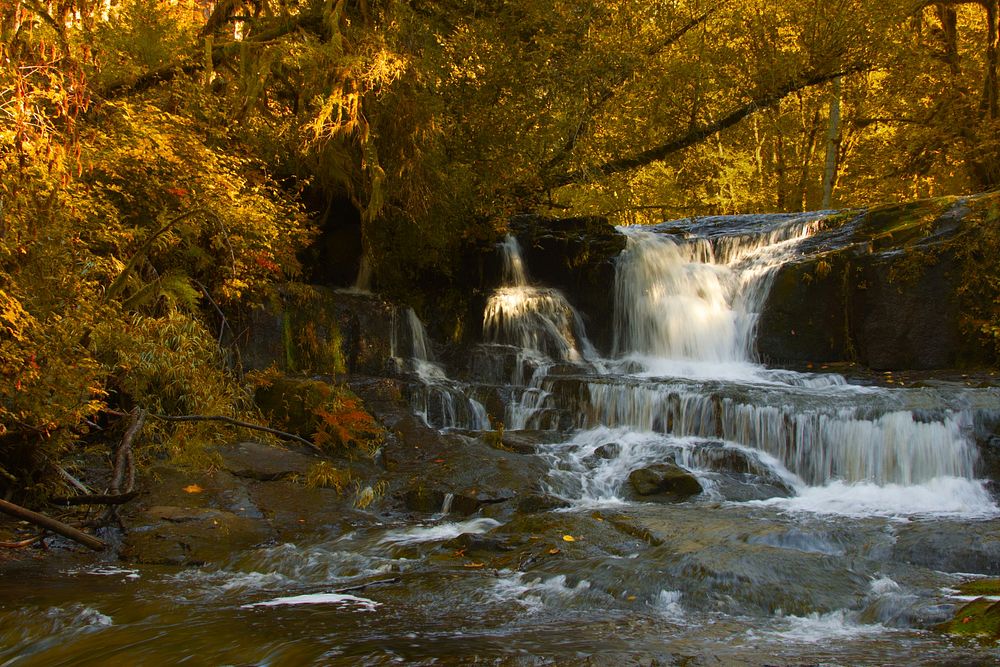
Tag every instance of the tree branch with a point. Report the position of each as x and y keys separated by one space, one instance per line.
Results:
x=52 y=525
x=611 y=89
x=701 y=132
x=240 y=424
x=220 y=54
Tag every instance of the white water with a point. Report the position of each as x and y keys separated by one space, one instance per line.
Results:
x=687 y=308
x=538 y=320
x=695 y=300
x=437 y=400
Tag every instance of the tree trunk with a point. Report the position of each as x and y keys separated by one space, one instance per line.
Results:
x=808 y=151
x=989 y=104
x=832 y=145
x=781 y=188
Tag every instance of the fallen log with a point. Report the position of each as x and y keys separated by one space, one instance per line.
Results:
x=96 y=499
x=52 y=525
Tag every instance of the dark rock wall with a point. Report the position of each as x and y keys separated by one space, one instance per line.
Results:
x=883 y=288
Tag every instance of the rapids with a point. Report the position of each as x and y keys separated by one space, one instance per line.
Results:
x=834 y=520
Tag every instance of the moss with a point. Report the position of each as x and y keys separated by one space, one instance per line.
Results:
x=980 y=587
x=979 y=618
x=895 y=225
x=311 y=336
x=978 y=251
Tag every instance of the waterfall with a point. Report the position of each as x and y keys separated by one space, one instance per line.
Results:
x=436 y=399
x=535 y=319
x=841 y=441
x=697 y=299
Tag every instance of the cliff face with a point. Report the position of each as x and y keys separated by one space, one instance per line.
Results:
x=908 y=286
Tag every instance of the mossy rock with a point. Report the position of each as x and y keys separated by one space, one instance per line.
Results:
x=980 y=587
x=979 y=618
x=317 y=330
x=332 y=415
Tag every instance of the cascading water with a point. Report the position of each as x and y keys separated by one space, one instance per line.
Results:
x=833 y=525
x=685 y=313
x=436 y=399
x=540 y=328
x=697 y=299
x=537 y=320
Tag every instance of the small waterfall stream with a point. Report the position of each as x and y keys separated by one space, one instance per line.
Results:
x=435 y=398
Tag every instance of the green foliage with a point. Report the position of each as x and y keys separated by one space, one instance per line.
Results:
x=979 y=283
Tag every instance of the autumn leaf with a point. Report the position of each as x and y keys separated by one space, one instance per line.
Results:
x=569 y=538
x=193 y=488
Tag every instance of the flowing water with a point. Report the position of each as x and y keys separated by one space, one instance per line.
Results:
x=834 y=517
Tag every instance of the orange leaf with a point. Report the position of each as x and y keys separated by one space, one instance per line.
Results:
x=193 y=488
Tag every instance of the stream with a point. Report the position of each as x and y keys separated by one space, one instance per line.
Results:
x=834 y=519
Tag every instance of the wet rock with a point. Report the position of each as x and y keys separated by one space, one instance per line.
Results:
x=527 y=441
x=979 y=618
x=470 y=542
x=539 y=502
x=740 y=476
x=254 y=460
x=182 y=536
x=950 y=548
x=664 y=479
x=882 y=287
x=608 y=451
x=318 y=330
x=424 y=465
x=424 y=500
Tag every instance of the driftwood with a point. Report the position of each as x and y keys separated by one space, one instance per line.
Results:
x=241 y=424
x=96 y=499
x=22 y=543
x=124 y=473
x=52 y=525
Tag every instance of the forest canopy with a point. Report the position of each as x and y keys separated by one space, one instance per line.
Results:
x=165 y=161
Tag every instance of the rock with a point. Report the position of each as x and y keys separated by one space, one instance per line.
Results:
x=949 y=548
x=527 y=441
x=192 y=537
x=471 y=542
x=254 y=460
x=892 y=288
x=664 y=479
x=539 y=502
x=318 y=330
x=739 y=475
x=608 y=451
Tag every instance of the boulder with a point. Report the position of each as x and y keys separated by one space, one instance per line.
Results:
x=664 y=479
x=253 y=460
x=894 y=287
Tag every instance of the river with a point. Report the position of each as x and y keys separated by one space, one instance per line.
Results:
x=833 y=521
